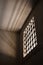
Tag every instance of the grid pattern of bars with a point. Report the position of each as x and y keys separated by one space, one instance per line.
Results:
x=29 y=37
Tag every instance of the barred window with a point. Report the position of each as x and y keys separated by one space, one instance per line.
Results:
x=29 y=37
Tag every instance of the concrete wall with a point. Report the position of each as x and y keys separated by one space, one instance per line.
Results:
x=9 y=46
x=36 y=56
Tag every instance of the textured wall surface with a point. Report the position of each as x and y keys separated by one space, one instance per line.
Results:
x=8 y=43
x=13 y=13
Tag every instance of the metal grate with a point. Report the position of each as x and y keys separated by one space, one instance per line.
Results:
x=29 y=37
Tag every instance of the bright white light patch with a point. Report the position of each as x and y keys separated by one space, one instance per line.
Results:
x=29 y=37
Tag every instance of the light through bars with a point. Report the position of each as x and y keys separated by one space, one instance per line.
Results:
x=29 y=37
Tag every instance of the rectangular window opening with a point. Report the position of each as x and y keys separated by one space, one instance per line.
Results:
x=29 y=37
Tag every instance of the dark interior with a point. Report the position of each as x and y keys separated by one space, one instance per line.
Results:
x=36 y=56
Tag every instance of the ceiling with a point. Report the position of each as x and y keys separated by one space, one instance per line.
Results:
x=13 y=14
